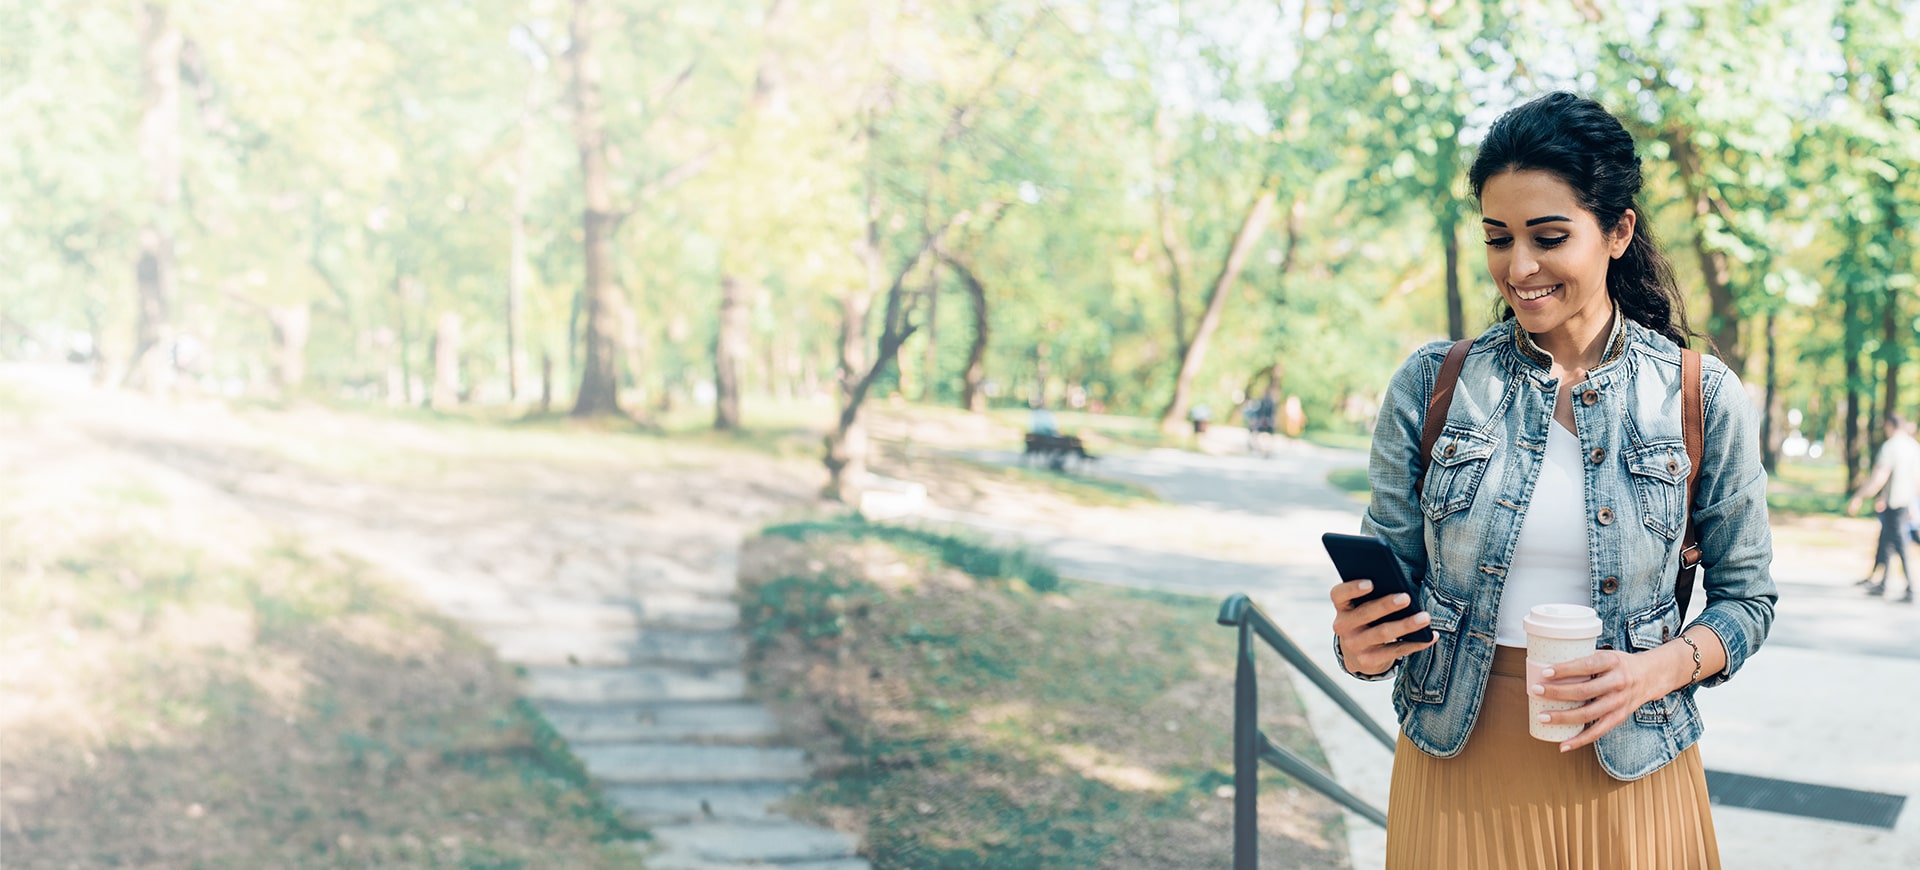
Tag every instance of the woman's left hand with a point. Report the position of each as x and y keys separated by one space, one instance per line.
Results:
x=1613 y=683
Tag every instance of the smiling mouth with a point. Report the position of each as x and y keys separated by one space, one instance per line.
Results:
x=1531 y=294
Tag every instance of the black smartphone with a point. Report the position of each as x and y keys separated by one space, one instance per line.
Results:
x=1363 y=557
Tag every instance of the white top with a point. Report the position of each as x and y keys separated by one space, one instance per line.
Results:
x=1901 y=457
x=1550 y=564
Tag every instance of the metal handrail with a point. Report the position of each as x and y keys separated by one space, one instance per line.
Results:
x=1250 y=744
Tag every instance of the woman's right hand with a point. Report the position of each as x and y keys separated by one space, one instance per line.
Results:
x=1373 y=650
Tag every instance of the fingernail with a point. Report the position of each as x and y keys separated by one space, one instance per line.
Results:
x=1366 y=586
x=1565 y=748
x=1422 y=618
x=1546 y=672
x=1539 y=690
x=1401 y=598
x=1543 y=719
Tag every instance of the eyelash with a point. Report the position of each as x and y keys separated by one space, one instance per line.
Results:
x=1548 y=242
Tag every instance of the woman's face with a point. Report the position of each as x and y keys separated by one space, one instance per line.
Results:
x=1546 y=252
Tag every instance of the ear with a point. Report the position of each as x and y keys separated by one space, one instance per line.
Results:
x=1622 y=235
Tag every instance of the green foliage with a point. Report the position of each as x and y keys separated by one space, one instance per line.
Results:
x=975 y=557
x=365 y=163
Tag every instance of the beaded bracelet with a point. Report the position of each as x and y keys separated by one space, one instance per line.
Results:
x=1696 y=659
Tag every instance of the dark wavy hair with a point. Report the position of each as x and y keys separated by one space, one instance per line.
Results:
x=1581 y=143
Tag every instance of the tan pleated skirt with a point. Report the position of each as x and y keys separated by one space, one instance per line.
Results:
x=1512 y=802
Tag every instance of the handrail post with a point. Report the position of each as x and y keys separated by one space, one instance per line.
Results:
x=1251 y=747
x=1246 y=757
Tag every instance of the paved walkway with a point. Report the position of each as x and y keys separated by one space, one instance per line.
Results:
x=611 y=589
x=1828 y=701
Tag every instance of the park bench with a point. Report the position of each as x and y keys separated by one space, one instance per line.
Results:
x=1056 y=449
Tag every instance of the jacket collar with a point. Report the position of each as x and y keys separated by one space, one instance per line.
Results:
x=1616 y=343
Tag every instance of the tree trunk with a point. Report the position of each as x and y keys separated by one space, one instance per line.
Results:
x=846 y=442
x=599 y=376
x=1771 y=431
x=1892 y=348
x=546 y=383
x=446 y=362
x=402 y=289
x=972 y=396
x=930 y=359
x=517 y=268
x=290 y=330
x=1179 y=259
x=1723 y=324
x=1172 y=418
x=159 y=147
x=1851 y=352
x=729 y=354
x=1450 y=243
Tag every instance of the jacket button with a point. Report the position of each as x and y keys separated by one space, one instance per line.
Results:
x=1673 y=466
x=1605 y=516
x=1666 y=633
x=1448 y=453
x=1589 y=397
x=1599 y=454
x=1605 y=646
x=1610 y=585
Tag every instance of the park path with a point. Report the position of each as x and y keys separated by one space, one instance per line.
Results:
x=1249 y=524
x=611 y=587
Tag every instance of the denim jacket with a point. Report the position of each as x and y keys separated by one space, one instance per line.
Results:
x=1456 y=539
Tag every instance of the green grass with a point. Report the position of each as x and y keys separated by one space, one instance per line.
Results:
x=200 y=702
x=973 y=722
x=1085 y=489
x=1808 y=488
x=1350 y=480
x=1341 y=439
x=968 y=554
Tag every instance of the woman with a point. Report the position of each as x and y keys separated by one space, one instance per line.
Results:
x=1560 y=476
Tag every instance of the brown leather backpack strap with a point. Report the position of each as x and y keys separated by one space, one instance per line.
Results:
x=1438 y=405
x=1693 y=428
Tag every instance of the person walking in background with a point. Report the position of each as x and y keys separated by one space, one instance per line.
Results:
x=1895 y=478
x=1259 y=414
x=1560 y=476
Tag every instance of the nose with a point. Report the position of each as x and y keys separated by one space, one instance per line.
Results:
x=1521 y=265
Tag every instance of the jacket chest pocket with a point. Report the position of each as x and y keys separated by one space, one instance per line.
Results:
x=1658 y=474
x=1454 y=471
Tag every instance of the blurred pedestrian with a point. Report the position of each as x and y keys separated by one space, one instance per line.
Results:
x=1895 y=477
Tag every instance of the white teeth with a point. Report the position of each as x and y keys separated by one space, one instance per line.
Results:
x=1538 y=294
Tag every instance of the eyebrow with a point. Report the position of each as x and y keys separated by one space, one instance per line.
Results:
x=1533 y=222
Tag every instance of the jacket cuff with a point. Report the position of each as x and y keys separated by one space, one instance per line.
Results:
x=1371 y=678
x=1731 y=639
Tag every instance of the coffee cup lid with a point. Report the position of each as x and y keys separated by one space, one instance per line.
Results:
x=1563 y=621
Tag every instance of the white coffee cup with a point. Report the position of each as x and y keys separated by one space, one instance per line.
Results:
x=1556 y=633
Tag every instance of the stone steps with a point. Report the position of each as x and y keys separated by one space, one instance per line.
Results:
x=657 y=763
x=786 y=844
x=689 y=802
x=660 y=611
x=616 y=647
x=641 y=684
x=708 y=722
